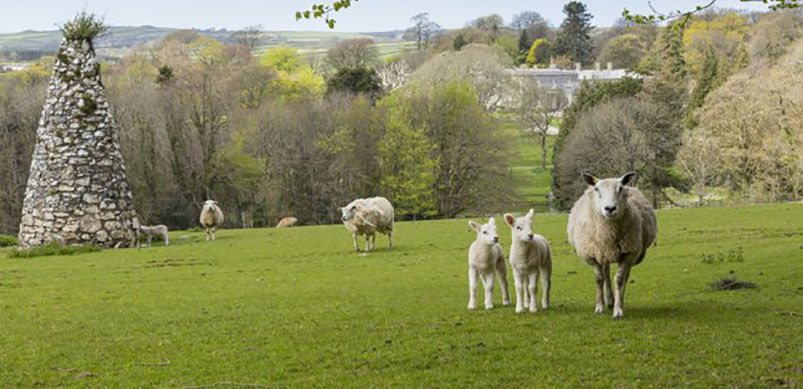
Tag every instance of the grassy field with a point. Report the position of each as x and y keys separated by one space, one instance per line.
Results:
x=297 y=307
x=532 y=183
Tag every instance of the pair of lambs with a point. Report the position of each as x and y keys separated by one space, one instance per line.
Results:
x=610 y=223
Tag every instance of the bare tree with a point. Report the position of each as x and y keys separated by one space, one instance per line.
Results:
x=422 y=30
x=250 y=36
x=353 y=53
x=536 y=110
x=699 y=158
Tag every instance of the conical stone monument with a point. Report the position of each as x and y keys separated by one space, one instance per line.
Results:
x=77 y=190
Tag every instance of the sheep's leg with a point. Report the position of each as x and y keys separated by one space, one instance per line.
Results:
x=599 y=277
x=150 y=238
x=501 y=271
x=167 y=239
x=488 y=283
x=390 y=240
x=546 y=284
x=606 y=272
x=373 y=241
x=472 y=288
x=521 y=293
x=532 y=288
x=621 y=282
x=367 y=243
x=213 y=232
x=207 y=234
x=354 y=239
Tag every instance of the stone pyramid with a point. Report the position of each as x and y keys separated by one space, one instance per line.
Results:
x=77 y=190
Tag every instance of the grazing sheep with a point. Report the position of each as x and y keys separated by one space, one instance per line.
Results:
x=287 y=222
x=485 y=256
x=366 y=217
x=150 y=231
x=211 y=218
x=530 y=256
x=611 y=223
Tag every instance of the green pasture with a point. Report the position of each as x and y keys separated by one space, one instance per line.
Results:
x=298 y=308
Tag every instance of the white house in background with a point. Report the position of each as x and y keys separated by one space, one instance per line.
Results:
x=569 y=80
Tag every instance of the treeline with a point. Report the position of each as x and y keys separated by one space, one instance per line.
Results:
x=267 y=137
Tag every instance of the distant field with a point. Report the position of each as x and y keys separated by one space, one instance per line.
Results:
x=532 y=183
x=298 y=308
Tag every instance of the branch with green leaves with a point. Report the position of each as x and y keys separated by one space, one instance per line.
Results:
x=684 y=16
x=325 y=11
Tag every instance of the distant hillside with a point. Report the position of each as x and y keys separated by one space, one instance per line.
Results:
x=30 y=45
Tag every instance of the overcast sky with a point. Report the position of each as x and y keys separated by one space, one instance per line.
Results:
x=366 y=15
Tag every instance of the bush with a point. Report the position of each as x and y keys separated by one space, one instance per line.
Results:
x=8 y=240
x=53 y=248
x=84 y=26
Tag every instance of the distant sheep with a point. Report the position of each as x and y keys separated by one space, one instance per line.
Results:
x=150 y=231
x=530 y=255
x=485 y=256
x=611 y=223
x=367 y=217
x=211 y=218
x=287 y=222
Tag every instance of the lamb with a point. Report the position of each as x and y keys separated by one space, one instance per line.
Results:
x=485 y=255
x=611 y=223
x=287 y=222
x=530 y=255
x=211 y=218
x=366 y=217
x=150 y=231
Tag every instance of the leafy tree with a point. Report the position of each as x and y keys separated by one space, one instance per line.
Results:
x=773 y=34
x=459 y=42
x=294 y=80
x=281 y=58
x=623 y=51
x=524 y=46
x=573 y=40
x=491 y=26
x=353 y=53
x=723 y=36
x=355 y=80
x=540 y=53
x=536 y=26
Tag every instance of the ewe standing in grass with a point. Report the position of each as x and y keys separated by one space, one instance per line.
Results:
x=485 y=256
x=211 y=218
x=366 y=217
x=611 y=223
x=530 y=256
x=287 y=222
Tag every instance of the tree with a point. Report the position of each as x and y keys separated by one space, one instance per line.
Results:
x=699 y=158
x=773 y=34
x=491 y=26
x=536 y=111
x=250 y=37
x=681 y=18
x=353 y=53
x=536 y=26
x=524 y=46
x=624 y=51
x=540 y=53
x=355 y=80
x=422 y=30
x=573 y=39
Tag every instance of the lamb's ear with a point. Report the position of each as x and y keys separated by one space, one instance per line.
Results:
x=509 y=219
x=474 y=226
x=589 y=179
x=492 y=221
x=625 y=179
x=530 y=214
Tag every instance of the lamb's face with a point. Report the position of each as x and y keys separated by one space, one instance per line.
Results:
x=349 y=211
x=522 y=227
x=486 y=233
x=210 y=205
x=610 y=196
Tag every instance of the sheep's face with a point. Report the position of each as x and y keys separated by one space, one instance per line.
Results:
x=210 y=205
x=350 y=211
x=610 y=194
x=486 y=233
x=522 y=227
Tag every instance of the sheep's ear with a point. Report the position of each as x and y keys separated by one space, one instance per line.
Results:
x=474 y=226
x=589 y=179
x=509 y=219
x=530 y=214
x=625 y=179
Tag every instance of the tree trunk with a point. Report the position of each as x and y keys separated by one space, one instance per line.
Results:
x=543 y=150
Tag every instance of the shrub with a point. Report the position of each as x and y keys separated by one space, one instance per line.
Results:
x=84 y=26
x=53 y=248
x=8 y=240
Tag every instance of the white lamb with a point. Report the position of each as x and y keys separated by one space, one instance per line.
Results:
x=211 y=218
x=530 y=255
x=367 y=217
x=150 y=231
x=485 y=256
x=611 y=223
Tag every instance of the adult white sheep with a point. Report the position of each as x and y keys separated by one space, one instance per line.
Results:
x=367 y=217
x=486 y=257
x=211 y=218
x=611 y=223
x=530 y=255
x=287 y=222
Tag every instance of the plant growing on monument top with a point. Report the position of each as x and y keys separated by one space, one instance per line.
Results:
x=84 y=26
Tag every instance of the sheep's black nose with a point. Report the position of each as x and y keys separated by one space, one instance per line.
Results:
x=496 y=239
x=343 y=218
x=610 y=209
x=530 y=236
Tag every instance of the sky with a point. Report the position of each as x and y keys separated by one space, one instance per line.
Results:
x=272 y=15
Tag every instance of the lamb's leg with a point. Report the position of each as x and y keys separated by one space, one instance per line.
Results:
x=472 y=288
x=354 y=239
x=501 y=271
x=546 y=284
x=521 y=294
x=621 y=282
x=167 y=239
x=599 y=277
x=488 y=283
x=606 y=272
x=532 y=288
